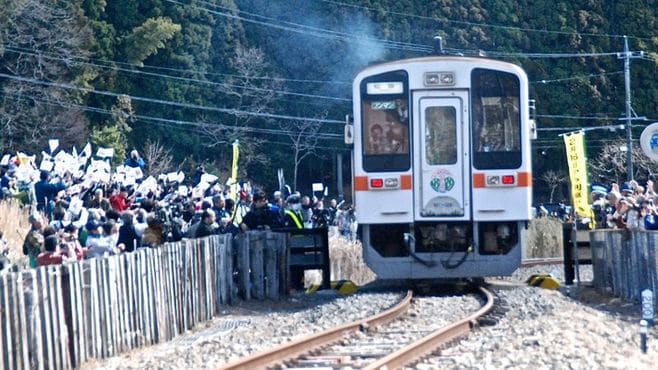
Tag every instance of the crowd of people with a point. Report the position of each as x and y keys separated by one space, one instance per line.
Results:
x=630 y=206
x=74 y=218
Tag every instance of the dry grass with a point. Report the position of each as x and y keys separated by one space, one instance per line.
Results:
x=14 y=225
x=347 y=261
x=544 y=236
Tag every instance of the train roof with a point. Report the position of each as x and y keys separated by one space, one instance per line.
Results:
x=441 y=58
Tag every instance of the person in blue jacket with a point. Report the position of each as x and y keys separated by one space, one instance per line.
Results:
x=45 y=192
x=135 y=160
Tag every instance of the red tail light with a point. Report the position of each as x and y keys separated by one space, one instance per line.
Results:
x=508 y=179
x=376 y=183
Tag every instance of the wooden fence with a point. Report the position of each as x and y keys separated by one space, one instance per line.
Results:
x=625 y=262
x=58 y=317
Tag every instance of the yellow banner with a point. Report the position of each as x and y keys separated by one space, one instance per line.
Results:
x=575 y=144
x=234 y=172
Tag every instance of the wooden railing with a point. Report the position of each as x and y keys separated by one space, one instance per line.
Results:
x=625 y=262
x=58 y=317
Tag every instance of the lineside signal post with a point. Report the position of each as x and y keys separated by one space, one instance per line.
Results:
x=647 y=306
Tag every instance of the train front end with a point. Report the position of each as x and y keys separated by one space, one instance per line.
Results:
x=442 y=168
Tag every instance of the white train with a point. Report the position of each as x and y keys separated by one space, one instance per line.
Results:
x=442 y=173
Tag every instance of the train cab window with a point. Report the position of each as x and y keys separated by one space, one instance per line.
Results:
x=496 y=119
x=440 y=135
x=385 y=118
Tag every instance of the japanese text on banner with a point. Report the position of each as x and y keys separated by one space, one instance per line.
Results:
x=578 y=173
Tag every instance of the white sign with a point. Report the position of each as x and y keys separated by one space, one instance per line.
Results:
x=318 y=186
x=86 y=151
x=5 y=160
x=46 y=165
x=206 y=177
x=53 y=144
x=649 y=141
x=105 y=152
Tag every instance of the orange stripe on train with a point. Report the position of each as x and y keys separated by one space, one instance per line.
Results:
x=361 y=183
x=523 y=180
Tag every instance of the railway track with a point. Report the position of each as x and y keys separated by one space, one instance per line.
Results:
x=388 y=340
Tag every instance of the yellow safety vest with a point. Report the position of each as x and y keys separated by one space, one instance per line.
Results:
x=295 y=218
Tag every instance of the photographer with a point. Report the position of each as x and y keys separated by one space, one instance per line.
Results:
x=259 y=216
x=321 y=216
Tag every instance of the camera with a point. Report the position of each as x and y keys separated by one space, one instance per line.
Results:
x=321 y=217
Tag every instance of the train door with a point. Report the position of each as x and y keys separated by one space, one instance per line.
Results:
x=442 y=179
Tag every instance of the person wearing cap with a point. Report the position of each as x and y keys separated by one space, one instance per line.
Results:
x=259 y=216
x=292 y=216
x=33 y=243
x=45 y=192
x=627 y=189
x=599 y=205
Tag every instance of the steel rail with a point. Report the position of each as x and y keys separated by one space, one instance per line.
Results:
x=310 y=342
x=431 y=342
x=542 y=261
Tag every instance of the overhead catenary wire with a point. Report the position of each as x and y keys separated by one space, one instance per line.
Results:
x=185 y=79
x=324 y=34
x=319 y=29
x=277 y=131
x=482 y=24
x=231 y=111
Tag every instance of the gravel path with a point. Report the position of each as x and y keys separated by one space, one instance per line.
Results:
x=536 y=329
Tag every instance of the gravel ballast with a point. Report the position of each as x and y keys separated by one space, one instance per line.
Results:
x=533 y=328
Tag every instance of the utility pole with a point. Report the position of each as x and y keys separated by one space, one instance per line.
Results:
x=627 y=56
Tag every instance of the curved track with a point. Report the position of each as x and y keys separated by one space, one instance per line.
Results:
x=328 y=348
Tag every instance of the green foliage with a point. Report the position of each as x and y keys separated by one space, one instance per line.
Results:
x=209 y=50
x=147 y=38
x=114 y=134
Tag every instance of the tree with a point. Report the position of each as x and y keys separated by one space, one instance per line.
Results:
x=31 y=112
x=147 y=38
x=114 y=133
x=244 y=91
x=304 y=139
x=610 y=165
x=554 y=179
x=157 y=157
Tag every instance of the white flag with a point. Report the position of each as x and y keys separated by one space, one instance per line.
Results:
x=53 y=144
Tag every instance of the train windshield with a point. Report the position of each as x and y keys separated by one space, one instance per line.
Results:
x=496 y=119
x=385 y=118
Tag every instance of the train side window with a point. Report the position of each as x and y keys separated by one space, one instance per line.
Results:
x=496 y=117
x=440 y=135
